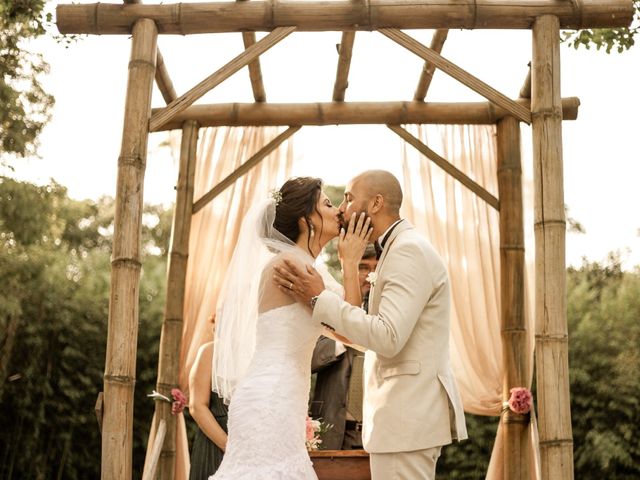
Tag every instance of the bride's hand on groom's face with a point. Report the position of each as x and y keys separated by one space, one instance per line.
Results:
x=354 y=239
x=301 y=283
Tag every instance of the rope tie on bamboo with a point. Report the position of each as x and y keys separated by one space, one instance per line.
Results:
x=127 y=262
x=122 y=379
x=558 y=442
x=174 y=320
x=550 y=223
x=551 y=338
x=136 y=161
x=140 y=62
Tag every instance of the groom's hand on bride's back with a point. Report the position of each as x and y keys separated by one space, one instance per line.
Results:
x=300 y=282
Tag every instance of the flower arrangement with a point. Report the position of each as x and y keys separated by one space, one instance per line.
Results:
x=372 y=277
x=520 y=402
x=315 y=430
x=177 y=404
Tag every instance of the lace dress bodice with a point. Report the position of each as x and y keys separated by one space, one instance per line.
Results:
x=269 y=406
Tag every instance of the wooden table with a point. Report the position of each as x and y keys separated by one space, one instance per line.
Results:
x=341 y=464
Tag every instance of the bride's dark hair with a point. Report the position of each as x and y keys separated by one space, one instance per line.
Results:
x=299 y=200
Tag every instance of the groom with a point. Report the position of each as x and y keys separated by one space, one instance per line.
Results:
x=411 y=402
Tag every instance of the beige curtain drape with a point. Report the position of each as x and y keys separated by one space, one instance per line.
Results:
x=465 y=230
x=214 y=231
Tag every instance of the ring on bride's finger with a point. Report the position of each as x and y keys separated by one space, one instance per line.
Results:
x=291 y=286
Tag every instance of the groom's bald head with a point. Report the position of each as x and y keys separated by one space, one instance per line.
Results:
x=383 y=183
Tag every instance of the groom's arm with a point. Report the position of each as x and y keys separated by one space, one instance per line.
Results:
x=407 y=288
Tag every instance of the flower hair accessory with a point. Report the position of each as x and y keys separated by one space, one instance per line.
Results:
x=276 y=195
x=371 y=278
x=520 y=402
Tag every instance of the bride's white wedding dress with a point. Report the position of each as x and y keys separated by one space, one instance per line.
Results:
x=268 y=409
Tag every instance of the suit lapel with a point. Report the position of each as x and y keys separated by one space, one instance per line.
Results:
x=401 y=227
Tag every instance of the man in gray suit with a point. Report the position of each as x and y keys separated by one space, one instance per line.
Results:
x=411 y=402
x=337 y=397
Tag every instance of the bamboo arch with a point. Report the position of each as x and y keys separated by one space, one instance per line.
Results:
x=540 y=105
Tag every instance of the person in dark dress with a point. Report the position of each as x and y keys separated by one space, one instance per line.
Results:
x=210 y=413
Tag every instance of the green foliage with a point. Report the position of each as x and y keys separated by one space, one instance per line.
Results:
x=620 y=39
x=55 y=270
x=24 y=105
x=469 y=460
x=604 y=354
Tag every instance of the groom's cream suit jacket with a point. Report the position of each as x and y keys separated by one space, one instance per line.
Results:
x=411 y=400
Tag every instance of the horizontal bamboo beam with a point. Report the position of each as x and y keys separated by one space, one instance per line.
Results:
x=344 y=63
x=350 y=113
x=254 y=51
x=243 y=169
x=464 y=77
x=437 y=42
x=471 y=184
x=320 y=15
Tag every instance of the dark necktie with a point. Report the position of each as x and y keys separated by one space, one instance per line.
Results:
x=379 y=246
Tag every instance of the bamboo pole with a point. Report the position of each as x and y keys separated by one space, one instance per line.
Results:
x=179 y=104
x=120 y=365
x=458 y=73
x=243 y=169
x=320 y=15
x=163 y=80
x=344 y=63
x=255 y=72
x=437 y=42
x=552 y=368
x=172 y=325
x=446 y=166
x=513 y=328
x=525 y=90
x=350 y=113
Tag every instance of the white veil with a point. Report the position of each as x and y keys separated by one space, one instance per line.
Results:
x=237 y=309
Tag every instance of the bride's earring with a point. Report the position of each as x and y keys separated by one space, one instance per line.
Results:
x=313 y=231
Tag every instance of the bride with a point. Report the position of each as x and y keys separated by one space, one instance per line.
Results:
x=264 y=343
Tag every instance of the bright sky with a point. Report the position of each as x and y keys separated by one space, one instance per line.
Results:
x=80 y=146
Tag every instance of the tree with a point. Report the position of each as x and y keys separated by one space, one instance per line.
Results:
x=620 y=39
x=54 y=302
x=604 y=354
x=24 y=105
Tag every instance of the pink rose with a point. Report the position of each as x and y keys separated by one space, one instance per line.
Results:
x=310 y=430
x=521 y=400
x=179 y=401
